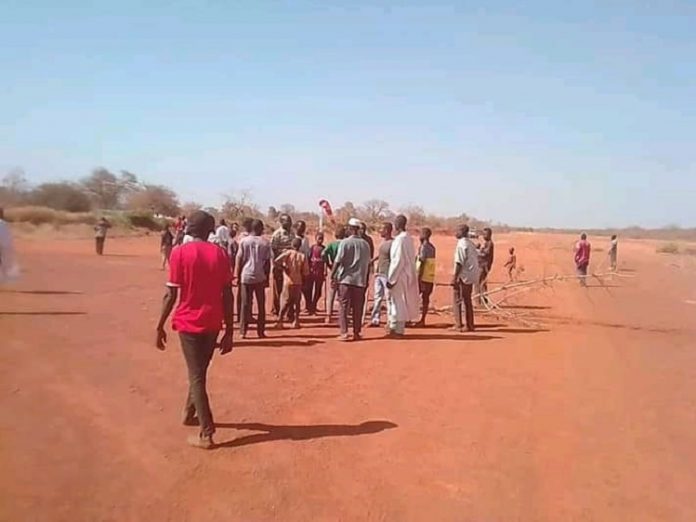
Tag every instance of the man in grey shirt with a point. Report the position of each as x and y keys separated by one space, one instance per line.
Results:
x=383 y=259
x=253 y=269
x=466 y=275
x=350 y=273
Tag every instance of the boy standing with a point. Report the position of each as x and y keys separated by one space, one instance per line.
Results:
x=511 y=264
x=426 y=272
x=583 y=250
x=200 y=275
x=253 y=271
x=317 y=274
x=613 y=252
x=383 y=258
x=295 y=269
x=329 y=258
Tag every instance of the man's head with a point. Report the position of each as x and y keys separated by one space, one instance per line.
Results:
x=462 y=231
x=201 y=224
x=363 y=228
x=400 y=223
x=340 y=232
x=301 y=228
x=223 y=223
x=425 y=234
x=248 y=225
x=386 y=230
x=487 y=234
x=285 y=222
x=613 y=237
x=583 y=236
x=512 y=250
x=354 y=226
x=256 y=227
x=320 y=238
x=296 y=243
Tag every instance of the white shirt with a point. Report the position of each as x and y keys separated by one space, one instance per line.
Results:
x=466 y=255
x=223 y=234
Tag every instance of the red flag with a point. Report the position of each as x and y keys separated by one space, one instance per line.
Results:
x=326 y=206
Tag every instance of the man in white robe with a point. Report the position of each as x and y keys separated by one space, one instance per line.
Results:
x=9 y=270
x=402 y=281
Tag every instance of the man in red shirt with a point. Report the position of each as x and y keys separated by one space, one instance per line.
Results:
x=200 y=274
x=582 y=258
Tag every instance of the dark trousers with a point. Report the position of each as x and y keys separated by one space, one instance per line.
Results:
x=291 y=304
x=462 y=294
x=312 y=293
x=277 y=288
x=198 y=351
x=248 y=292
x=350 y=299
x=99 y=243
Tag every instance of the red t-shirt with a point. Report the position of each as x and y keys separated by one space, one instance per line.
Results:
x=200 y=270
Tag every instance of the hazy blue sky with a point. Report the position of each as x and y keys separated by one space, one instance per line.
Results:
x=547 y=113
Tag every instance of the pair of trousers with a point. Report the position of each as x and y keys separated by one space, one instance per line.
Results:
x=462 y=295
x=99 y=244
x=248 y=292
x=331 y=299
x=350 y=298
x=381 y=293
x=277 y=288
x=312 y=292
x=291 y=304
x=582 y=273
x=198 y=351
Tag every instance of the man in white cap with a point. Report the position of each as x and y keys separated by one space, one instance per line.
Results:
x=402 y=281
x=350 y=273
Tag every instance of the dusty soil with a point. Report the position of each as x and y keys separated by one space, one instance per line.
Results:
x=589 y=416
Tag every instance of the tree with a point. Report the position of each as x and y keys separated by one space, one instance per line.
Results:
x=104 y=188
x=155 y=198
x=287 y=208
x=374 y=211
x=415 y=214
x=240 y=205
x=14 y=187
x=61 y=196
x=190 y=207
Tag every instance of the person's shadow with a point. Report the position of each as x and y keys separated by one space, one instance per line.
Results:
x=316 y=431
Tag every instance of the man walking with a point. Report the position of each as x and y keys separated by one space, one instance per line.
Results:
x=466 y=275
x=486 y=254
x=329 y=256
x=382 y=272
x=350 y=271
x=295 y=269
x=582 y=258
x=426 y=272
x=281 y=240
x=613 y=252
x=200 y=275
x=402 y=280
x=100 y=234
x=253 y=272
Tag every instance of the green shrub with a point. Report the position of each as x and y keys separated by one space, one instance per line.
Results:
x=143 y=220
x=668 y=248
x=41 y=215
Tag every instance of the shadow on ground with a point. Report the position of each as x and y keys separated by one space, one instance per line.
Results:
x=317 y=431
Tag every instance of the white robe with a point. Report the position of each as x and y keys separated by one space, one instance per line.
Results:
x=404 y=294
x=9 y=270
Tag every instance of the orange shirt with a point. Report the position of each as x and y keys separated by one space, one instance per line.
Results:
x=294 y=265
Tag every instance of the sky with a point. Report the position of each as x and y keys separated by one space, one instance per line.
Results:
x=565 y=114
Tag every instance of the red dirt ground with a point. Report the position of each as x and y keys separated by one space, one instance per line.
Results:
x=590 y=417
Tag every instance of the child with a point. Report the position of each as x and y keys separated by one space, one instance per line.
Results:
x=511 y=264
x=166 y=245
x=295 y=269
x=426 y=272
x=317 y=274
